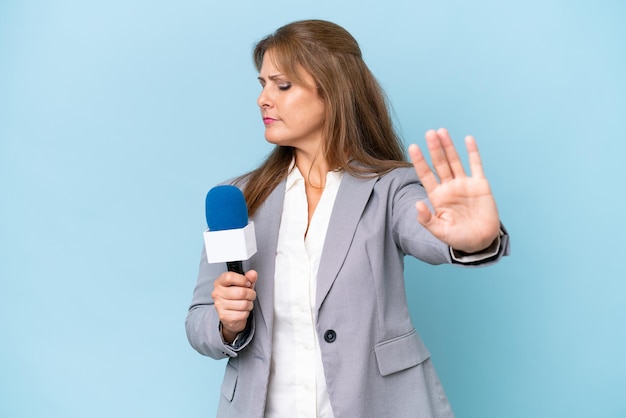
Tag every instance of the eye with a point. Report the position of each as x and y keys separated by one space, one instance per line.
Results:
x=284 y=86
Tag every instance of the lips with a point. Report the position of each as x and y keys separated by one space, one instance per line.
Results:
x=268 y=121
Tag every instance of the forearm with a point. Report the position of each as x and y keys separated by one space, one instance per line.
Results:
x=203 y=332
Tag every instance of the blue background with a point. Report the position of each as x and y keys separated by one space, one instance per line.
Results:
x=116 y=118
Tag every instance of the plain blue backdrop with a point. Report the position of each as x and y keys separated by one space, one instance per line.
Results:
x=116 y=118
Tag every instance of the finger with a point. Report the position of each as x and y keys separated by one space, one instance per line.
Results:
x=237 y=293
x=454 y=162
x=231 y=278
x=438 y=156
x=232 y=313
x=232 y=293
x=424 y=216
x=425 y=174
x=475 y=163
x=234 y=307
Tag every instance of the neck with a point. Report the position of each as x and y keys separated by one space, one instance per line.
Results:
x=313 y=169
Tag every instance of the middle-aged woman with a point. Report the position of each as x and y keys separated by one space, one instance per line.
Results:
x=319 y=325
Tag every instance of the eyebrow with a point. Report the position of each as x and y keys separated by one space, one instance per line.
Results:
x=271 y=77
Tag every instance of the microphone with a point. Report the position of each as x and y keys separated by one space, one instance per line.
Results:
x=230 y=237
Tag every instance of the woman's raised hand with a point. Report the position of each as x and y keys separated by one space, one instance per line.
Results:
x=465 y=214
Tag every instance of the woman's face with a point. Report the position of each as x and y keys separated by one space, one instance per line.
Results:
x=293 y=113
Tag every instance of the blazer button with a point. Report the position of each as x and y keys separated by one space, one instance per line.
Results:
x=330 y=336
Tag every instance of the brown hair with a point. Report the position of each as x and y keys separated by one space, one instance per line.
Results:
x=358 y=134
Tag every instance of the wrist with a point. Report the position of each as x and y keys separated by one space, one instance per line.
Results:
x=228 y=336
x=463 y=257
x=493 y=243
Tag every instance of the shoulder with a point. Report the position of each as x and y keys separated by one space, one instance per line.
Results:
x=396 y=188
x=384 y=185
x=402 y=173
x=398 y=178
x=239 y=181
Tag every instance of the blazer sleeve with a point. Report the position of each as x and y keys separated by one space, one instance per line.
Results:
x=202 y=323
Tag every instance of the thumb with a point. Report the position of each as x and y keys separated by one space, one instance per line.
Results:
x=424 y=216
x=252 y=276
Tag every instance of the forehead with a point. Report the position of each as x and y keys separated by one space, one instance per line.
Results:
x=274 y=64
x=270 y=64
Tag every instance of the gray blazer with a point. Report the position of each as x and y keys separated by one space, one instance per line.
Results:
x=374 y=361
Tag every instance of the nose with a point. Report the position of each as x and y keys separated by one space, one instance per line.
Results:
x=263 y=101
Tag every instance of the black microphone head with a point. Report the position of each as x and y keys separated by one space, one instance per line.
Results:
x=226 y=208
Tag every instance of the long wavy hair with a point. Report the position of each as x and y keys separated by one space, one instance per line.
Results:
x=359 y=136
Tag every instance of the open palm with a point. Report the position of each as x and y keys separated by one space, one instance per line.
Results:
x=465 y=213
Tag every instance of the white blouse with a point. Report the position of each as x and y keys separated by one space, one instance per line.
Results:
x=297 y=386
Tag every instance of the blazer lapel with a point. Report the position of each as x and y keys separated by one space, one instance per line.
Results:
x=266 y=230
x=350 y=202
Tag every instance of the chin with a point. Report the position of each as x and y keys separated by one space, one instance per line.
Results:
x=276 y=141
x=271 y=140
